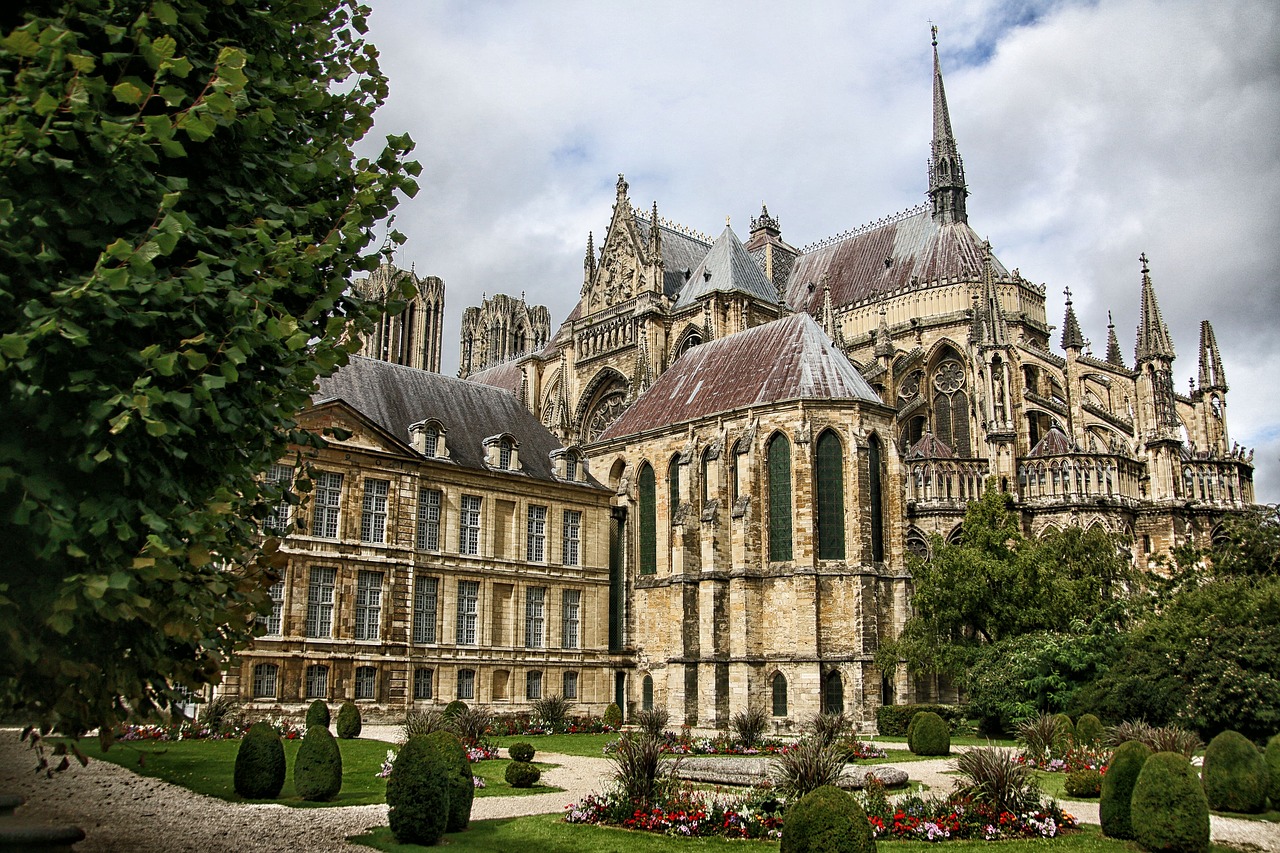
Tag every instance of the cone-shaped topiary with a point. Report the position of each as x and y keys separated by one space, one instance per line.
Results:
x=1169 y=811
x=1117 y=788
x=418 y=793
x=1064 y=731
x=826 y=820
x=522 y=774
x=349 y=723
x=1272 y=757
x=613 y=716
x=521 y=751
x=317 y=771
x=1089 y=730
x=1234 y=774
x=259 y=773
x=318 y=714
x=462 y=789
x=930 y=735
x=454 y=709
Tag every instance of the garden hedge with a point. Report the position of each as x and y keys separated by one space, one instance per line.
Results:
x=1272 y=757
x=1169 y=811
x=892 y=720
x=318 y=714
x=826 y=820
x=317 y=771
x=419 y=793
x=260 y=770
x=930 y=735
x=462 y=789
x=522 y=774
x=521 y=751
x=1089 y=730
x=1234 y=774
x=1117 y=788
x=349 y=723
x=1084 y=783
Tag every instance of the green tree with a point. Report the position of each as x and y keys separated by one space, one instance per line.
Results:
x=181 y=211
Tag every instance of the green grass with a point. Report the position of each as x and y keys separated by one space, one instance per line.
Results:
x=591 y=746
x=955 y=741
x=492 y=772
x=898 y=756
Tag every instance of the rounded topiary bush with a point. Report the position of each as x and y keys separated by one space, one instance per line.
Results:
x=1234 y=774
x=455 y=709
x=259 y=773
x=349 y=723
x=462 y=789
x=521 y=751
x=1117 y=788
x=1169 y=811
x=318 y=714
x=419 y=793
x=826 y=820
x=1089 y=730
x=613 y=716
x=317 y=771
x=930 y=735
x=1064 y=731
x=522 y=774
x=1083 y=783
x=1272 y=757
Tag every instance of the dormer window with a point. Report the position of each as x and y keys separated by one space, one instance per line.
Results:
x=502 y=452
x=428 y=438
x=568 y=463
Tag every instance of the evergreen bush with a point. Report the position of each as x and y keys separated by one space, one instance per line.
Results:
x=259 y=771
x=1169 y=811
x=827 y=820
x=893 y=720
x=613 y=716
x=1085 y=783
x=522 y=774
x=317 y=771
x=1272 y=757
x=929 y=735
x=349 y=723
x=520 y=751
x=1234 y=774
x=1117 y=788
x=1089 y=730
x=454 y=708
x=462 y=789
x=1066 y=732
x=318 y=714
x=419 y=793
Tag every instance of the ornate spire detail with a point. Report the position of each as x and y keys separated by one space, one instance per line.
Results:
x=1072 y=338
x=884 y=340
x=765 y=222
x=829 y=324
x=994 y=330
x=946 y=169
x=622 y=187
x=1153 y=334
x=560 y=418
x=655 y=235
x=1211 y=375
x=643 y=374
x=1114 y=355
x=589 y=263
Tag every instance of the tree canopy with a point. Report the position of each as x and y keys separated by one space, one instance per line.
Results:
x=182 y=212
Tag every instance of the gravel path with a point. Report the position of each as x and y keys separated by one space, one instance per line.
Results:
x=122 y=812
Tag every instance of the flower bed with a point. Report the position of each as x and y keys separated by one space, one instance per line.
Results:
x=1081 y=758
x=686 y=812
x=916 y=818
x=722 y=744
x=197 y=731
x=526 y=724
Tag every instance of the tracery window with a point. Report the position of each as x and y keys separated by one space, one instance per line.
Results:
x=830 y=488
x=779 y=464
x=648 y=522
x=779 y=695
x=951 y=406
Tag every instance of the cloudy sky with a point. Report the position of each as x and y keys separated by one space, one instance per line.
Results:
x=1091 y=132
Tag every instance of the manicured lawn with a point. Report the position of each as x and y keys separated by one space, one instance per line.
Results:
x=897 y=756
x=591 y=746
x=955 y=741
x=492 y=772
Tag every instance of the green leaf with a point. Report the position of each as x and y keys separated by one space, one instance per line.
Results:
x=46 y=104
x=127 y=93
x=164 y=13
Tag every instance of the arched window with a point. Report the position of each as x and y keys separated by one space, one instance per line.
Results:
x=673 y=487
x=779 y=695
x=875 y=487
x=951 y=405
x=646 y=693
x=779 y=455
x=704 y=475
x=316 y=681
x=736 y=459
x=830 y=497
x=833 y=693
x=648 y=522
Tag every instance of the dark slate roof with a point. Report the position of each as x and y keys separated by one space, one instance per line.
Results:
x=930 y=447
x=727 y=268
x=506 y=376
x=915 y=245
x=394 y=396
x=680 y=252
x=788 y=359
x=1054 y=443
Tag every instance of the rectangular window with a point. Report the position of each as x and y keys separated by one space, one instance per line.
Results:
x=368 y=605
x=535 y=617
x=428 y=520
x=571 y=619
x=373 y=520
x=366 y=682
x=572 y=533
x=275 y=622
x=469 y=525
x=264 y=680
x=278 y=519
x=533 y=684
x=328 y=498
x=570 y=685
x=426 y=598
x=317 y=681
x=536 y=550
x=466 y=684
x=423 y=683
x=320 y=602
x=468 y=608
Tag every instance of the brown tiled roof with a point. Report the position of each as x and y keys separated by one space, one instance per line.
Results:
x=930 y=447
x=914 y=246
x=788 y=359
x=506 y=376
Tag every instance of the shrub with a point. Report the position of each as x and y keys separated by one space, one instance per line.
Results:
x=317 y=771
x=893 y=720
x=929 y=735
x=826 y=820
x=1065 y=730
x=418 y=793
x=318 y=714
x=1174 y=739
x=613 y=716
x=1121 y=733
x=1042 y=737
x=553 y=710
x=641 y=768
x=259 y=772
x=471 y=724
x=749 y=725
x=652 y=723
x=1089 y=730
x=1234 y=774
x=423 y=722
x=995 y=776
x=1169 y=810
x=1084 y=783
x=1117 y=788
x=522 y=774
x=1272 y=757
x=520 y=751
x=348 y=725
x=462 y=789
x=808 y=767
x=454 y=708
x=221 y=712
x=828 y=727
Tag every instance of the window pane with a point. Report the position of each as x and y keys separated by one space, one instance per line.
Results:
x=466 y=684
x=570 y=685
x=373 y=519
x=570 y=629
x=328 y=497
x=264 y=680
x=366 y=682
x=428 y=520
x=423 y=683
x=469 y=525
x=368 y=605
x=317 y=681
x=536 y=544
x=779 y=498
x=648 y=522
x=830 y=497
x=320 y=602
x=875 y=486
x=779 y=695
x=533 y=684
x=425 y=601
x=572 y=532
x=468 y=608
x=278 y=519
x=534 y=617
x=274 y=622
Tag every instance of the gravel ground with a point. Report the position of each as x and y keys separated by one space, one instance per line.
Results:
x=122 y=812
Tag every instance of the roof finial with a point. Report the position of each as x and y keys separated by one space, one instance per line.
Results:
x=934 y=28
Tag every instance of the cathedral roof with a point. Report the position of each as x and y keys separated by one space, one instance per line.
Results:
x=506 y=376
x=930 y=447
x=680 y=251
x=1054 y=443
x=910 y=249
x=393 y=397
x=726 y=268
x=788 y=359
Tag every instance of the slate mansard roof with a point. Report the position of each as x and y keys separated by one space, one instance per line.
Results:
x=394 y=396
x=788 y=359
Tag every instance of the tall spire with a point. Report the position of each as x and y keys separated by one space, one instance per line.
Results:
x=1211 y=375
x=1153 y=334
x=990 y=327
x=1072 y=337
x=1114 y=355
x=946 y=170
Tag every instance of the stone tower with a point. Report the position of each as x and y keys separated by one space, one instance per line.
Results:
x=501 y=329
x=412 y=337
